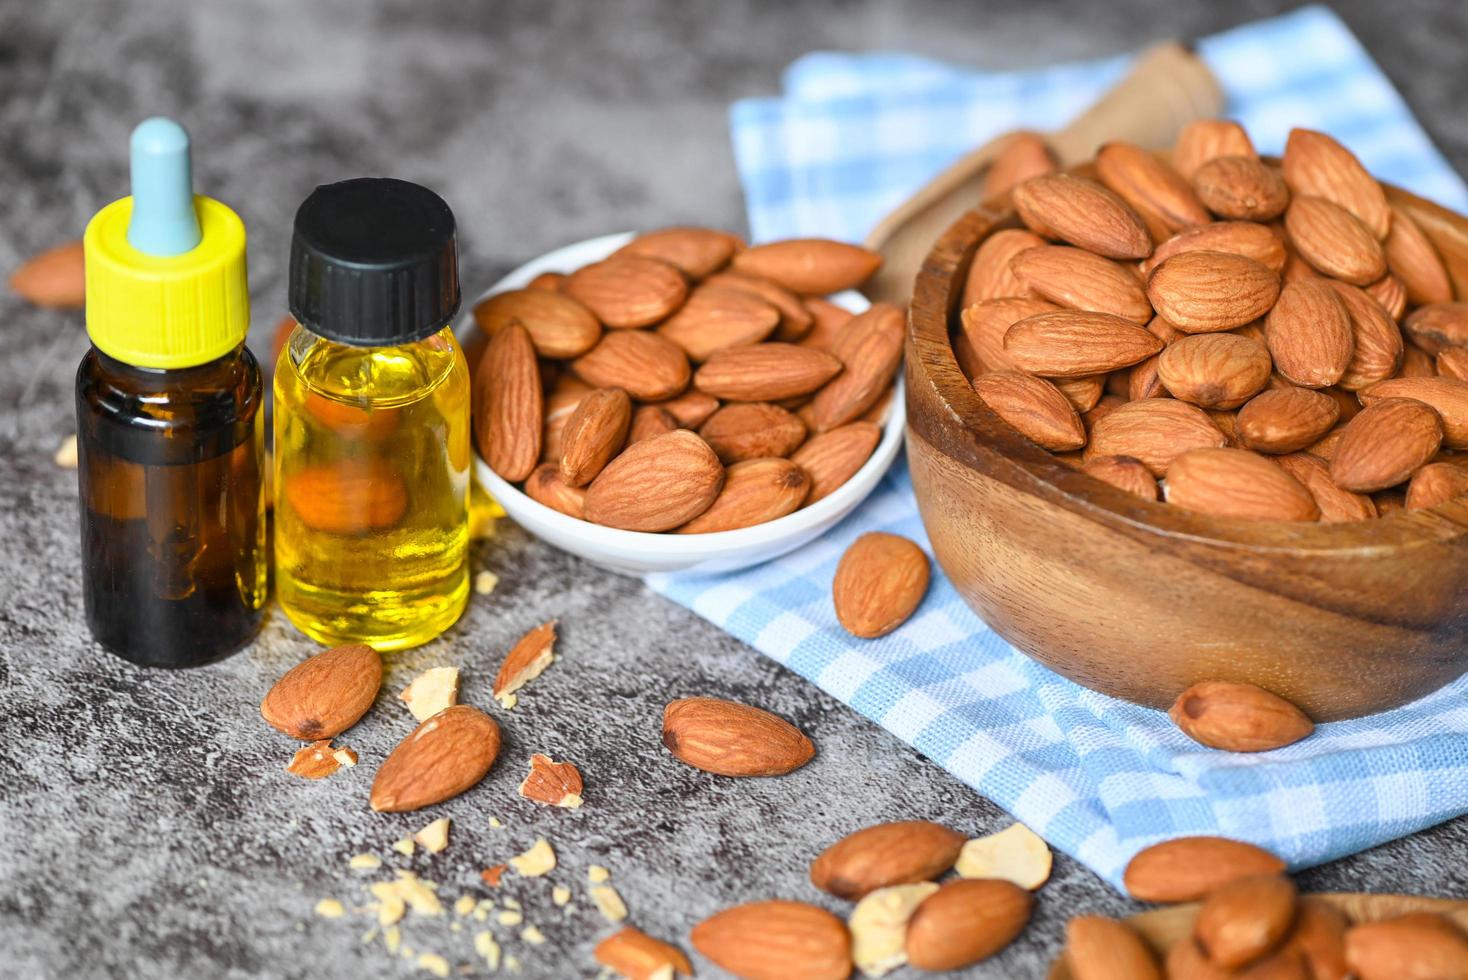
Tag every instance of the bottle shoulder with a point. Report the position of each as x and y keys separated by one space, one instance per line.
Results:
x=220 y=393
x=384 y=376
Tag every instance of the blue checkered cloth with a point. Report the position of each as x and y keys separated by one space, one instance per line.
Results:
x=1097 y=777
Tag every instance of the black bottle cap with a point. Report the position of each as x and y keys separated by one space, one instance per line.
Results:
x=374 y=262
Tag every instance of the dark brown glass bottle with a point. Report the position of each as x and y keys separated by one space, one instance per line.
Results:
x=172 y=507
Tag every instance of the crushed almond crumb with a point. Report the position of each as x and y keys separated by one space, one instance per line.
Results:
x=492 y=875
x=485 y=582
x=434 y=964
x=527 y=660
x=560 y=894
x=365 y=862
x=464 y=906
x=486 y=947
x=596 y=874
x=318 y=760
x=392 y=938
x=495 y=823
x=435 y=836
x=609 y=903
x=330 y=908
x=539 y=860
x=512 y=964
x=66 y=454
x=552 y=783
x=404 y=846
x=533 y=936
x=431 y=692
x=509 y=917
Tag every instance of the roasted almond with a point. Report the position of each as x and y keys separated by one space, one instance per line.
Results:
x=559 y=326
x=1237 y=483
x=776 y=940
x=635 y=955
x=323 y=696
x=527 y=660
x=444 y=756
x=1284 y=420
x=1124 y=473
x=1034 y=407
x=1439 y=326
x=765 y=372
x=732 y=739
x=1448 y=396
x=594 y=434
x=1315 y=165
x=1421 y=944
x=649 y=421
x=1383 y=446
x=348 y=497
x=1023 y=156
x=1214 y=370
x=810 y=266
x=752 y=430
x=1335 y=504
x=885 y=854
x=965 y=922
x=990 y=273
x=1241 y=188
x=1159 y=194
x=1237 y=717
x=880 y=581
x=1258 y=242
x=1189 y=868
x=628 y=290
x=1204 y=292
x=647 y=366
x=1155 y=432
x=985 y=324
x=833 y=457
x=869 y=348
x=55 y=278
x=1079 y=280
x=1082 y=213
x=795 y=320
x=1331 y=239
x=718 y=317
x=1377 y=343
x=656 y=485
x=696 y=252
x=1098 y=948
x=1207 y=139
x=1436 y=483
x=755 y=491
x=512 y=404
x=545 y=486
x=1072 y=343
x=1415 y=261
x=1309 y=334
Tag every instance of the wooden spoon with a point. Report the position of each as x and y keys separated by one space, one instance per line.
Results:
x=1166 y=89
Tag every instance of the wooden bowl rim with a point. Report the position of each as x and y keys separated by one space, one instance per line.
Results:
x=975 y=436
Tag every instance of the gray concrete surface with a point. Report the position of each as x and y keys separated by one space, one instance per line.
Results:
x=147 y=827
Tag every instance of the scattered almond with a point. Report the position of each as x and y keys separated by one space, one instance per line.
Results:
x=635 y=955
x=444 y=756
x=776 y=940
x=885 y=854
x=54 y=278
x=323 y=696
x=1189 y=868
x=1238 y=717
x=552 y=783
x=527 y=660
x=965 y=922
x=879 y=583
x=732 y=739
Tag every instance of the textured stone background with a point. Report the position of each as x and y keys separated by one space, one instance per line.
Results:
x=148 y=829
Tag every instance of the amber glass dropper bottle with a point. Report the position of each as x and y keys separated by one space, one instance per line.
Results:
x=169 y=427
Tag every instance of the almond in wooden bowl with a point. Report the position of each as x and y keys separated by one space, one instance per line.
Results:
x=1339 y=611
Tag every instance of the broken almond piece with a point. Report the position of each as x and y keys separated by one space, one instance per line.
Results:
x=1015 y=854
x=464 y=906
x=330 y=908
x=608 y=902
x=435 y=836
x=634 y=954
x=434 y=964
x=492 y=875
x=485 y=582
x=486 y=947
x=878 y=926
x=552 y=783
x=533 y=936
x=596 y=874
x=431 y=692
x=365 y=862
x=404 y=846
x=539 y=860
x=319 y=760
x=66 y=455
x=526 y=661
x=561 y=895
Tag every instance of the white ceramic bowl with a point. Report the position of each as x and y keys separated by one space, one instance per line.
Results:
x=637 y=552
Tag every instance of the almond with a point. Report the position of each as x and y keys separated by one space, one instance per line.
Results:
x=696 y=252
x=1124 y=473
x=1104 y=407
x=883 y=855
x=1237 y=483
x=990 y=273
x=55 y=278
x=1082 y=213
x=628 y=290
x=319 y=760
x=1315 y=165
x=635 y=955
x=1453 y=363
x=444 y=756
x=1448 y=396
x=1255 y=241
x=1436 y=483
x=1214 y=370
x=559 y=326
x=594 y=434
x=1390 y=293
x=1034 y=407
x=691 y=409
x=1320 y=936
x=1383 y=446
x=1377 y=343
x=1333 y=241
x=810 y=266
x=1421 y=944
x=964 y=922
x=545 y=486
x=1072 y=343
x=1309 y=334
x=776 y=940
x=1414 y=260
x=1206 y=139
x=751 y=430
x=548 y=281
x=755 y=491
x=1238 y=717
x=552 y=783
x=649 y=421
x=1098 y=948
x=1185 y=961
x=512 y=407
x=324 y=695
x=1416 y=362
x=527 y=660
x=1245 y=919
x=1335 y=504
x=1439 y=326
x=796 y=321
x=560 y=404
x=1285 y=420
x=833 y=457
x=1189 y=868
x=1241 y=188
x=1080 y=280
x=732 y=739
x=1143 y=380
x=829 y=319
x=1204 y=292
x=985 y=324
x=1082 y=393
x=716 y=318
x=869 y=348
x=656 y=485
x=352 y=421
x=879 y=583
x=348 y=497
x=1025 y=155
x=1160 y=195
x=1155 y=431
x=647 y=366
x=765 y=372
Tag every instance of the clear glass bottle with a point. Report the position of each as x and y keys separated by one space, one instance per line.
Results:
x=372 y=440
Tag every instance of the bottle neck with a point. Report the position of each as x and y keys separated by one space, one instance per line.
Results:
x=221 y=370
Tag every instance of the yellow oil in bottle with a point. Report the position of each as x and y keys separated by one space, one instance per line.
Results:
x=372 y=450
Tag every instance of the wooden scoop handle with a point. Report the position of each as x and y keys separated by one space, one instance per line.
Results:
x=1166 y=89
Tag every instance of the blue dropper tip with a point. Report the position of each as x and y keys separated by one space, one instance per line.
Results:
x=163 y=219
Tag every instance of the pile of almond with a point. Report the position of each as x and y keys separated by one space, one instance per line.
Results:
x=686 y=383
x=1271 y=342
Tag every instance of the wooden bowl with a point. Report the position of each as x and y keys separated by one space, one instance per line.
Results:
x=1140 y=600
